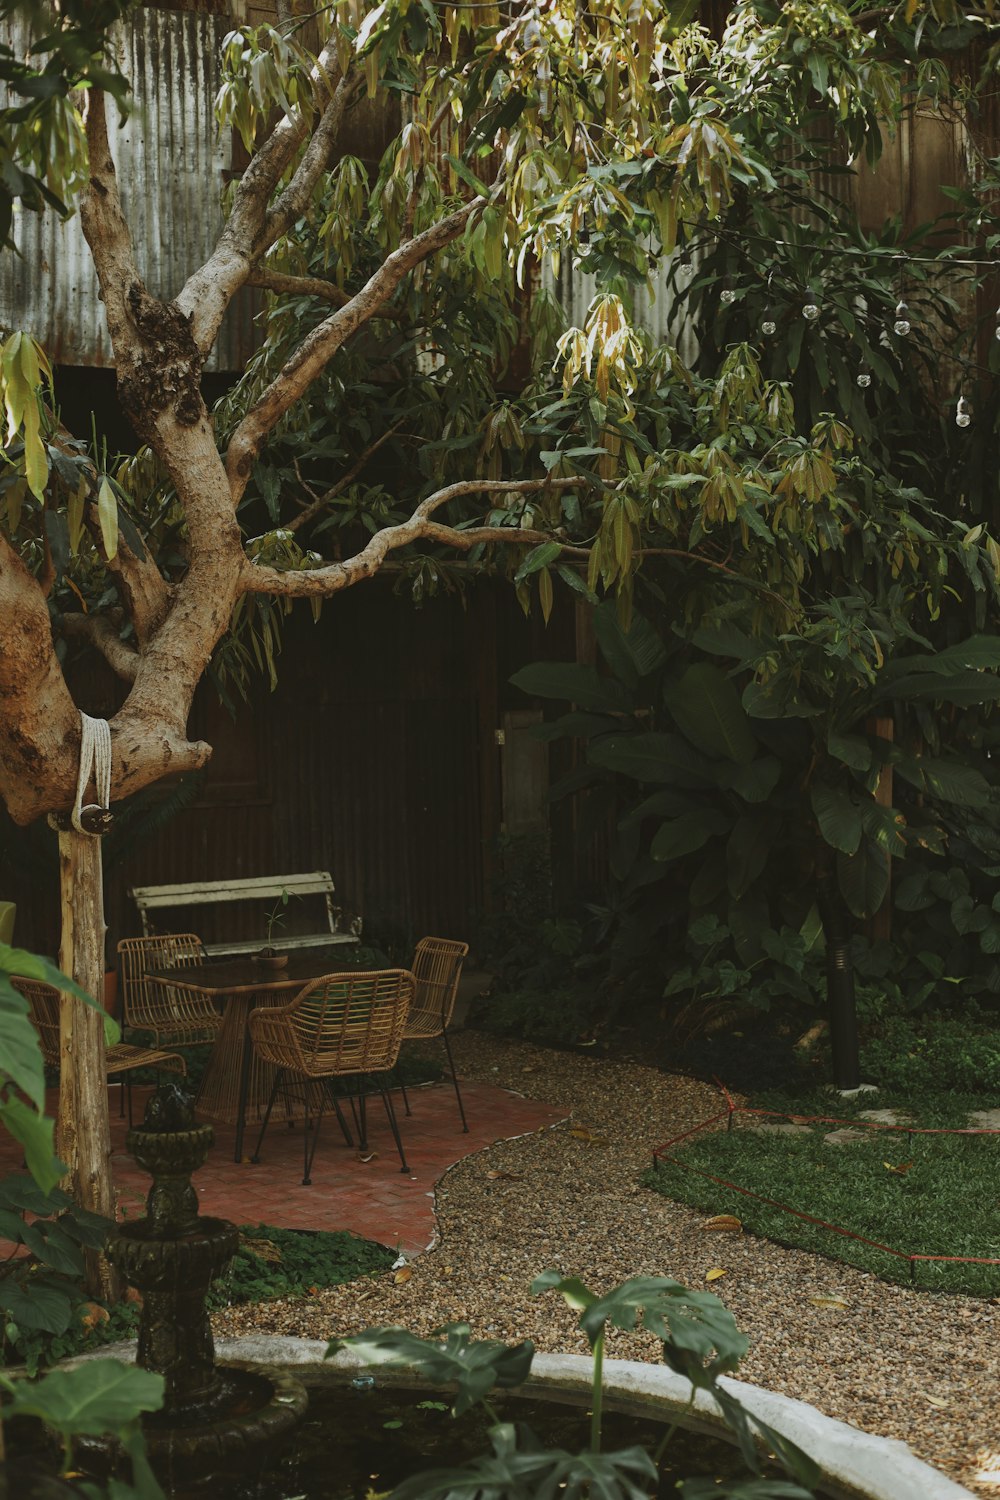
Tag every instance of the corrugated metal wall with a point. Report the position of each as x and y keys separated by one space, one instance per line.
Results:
x=655 y=310
x=171 y=164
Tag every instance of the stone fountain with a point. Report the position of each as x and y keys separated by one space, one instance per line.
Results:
x=215 y=1418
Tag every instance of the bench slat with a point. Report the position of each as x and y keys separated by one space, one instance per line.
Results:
x=303 y=940
x=198 y=892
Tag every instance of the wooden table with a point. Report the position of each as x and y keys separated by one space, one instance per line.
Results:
x=235 y=1081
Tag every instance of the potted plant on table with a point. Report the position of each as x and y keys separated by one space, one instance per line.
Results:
x=268 y=956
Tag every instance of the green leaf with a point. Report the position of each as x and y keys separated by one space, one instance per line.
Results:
x=107 y=514
x=101 y=1396
x=963 y=688
x=34 y=1131
x=949 y=780
x=754 y=782
x=633 y=653
x=746 y=852
x=22 y=1059
x=838 y=816
x=467 y=176
x=863 y=879
x=707 y=709
x=539 y=557
x=473 y=1368
x=31 y=1306
x=850 y=749
x=687 y=833
x=651 y=757
x=576 y=684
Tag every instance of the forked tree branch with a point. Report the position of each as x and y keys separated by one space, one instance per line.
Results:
x=253 y=226
x=310 y=286
x=336 y=576
x=319 y=346
x=101 y=633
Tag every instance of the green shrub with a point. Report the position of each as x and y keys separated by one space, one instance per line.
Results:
x=937 y=1053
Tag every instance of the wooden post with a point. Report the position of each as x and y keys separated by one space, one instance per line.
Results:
x=83 y=1132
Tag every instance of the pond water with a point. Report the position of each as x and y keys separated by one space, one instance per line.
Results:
x=355 y=1443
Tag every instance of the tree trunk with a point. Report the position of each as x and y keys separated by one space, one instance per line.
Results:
x=83 y=1139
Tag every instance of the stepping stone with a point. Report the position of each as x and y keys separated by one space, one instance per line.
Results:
x=985 y=1119
x=886 y=1117
x=845 y=1137
x=766 y=1128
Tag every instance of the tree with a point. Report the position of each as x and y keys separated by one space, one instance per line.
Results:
x=608 y=131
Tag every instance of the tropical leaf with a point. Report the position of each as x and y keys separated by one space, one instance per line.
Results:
x=947 y=779
x=863 y=879
x=707 y=709
x=838 y=816
x=574 y=684
x=633 y=653
x=687 y=833
x=651 y=757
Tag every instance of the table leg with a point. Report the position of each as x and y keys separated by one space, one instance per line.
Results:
x=241 y=1104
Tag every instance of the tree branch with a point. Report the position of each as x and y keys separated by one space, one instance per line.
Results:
x=320 y=501
x=336 y=576
x=104 y=224
x=101 y=633
x=310 y=286
x=251 y=230
x=319 y=346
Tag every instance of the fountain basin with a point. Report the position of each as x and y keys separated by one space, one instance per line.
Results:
x=855 y=1465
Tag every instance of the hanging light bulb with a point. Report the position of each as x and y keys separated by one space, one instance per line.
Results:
x=768 y=327
x=864 y=377
x=727 y=296
x=810 y=312
x=902 y=324
x=998 y=323
x=963 y=416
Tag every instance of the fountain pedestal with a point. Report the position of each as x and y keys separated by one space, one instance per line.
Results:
x=213 y=1415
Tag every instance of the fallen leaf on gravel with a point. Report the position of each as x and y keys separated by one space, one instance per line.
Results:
x=841 y=1303
x=449 y=1270
x=506 y=1176
x=402 y=1275
x=728 y=1222
x=714 y=1274
x=903 y=1167
x=584 y=1133
x=367 y=1156
x=936 y=1401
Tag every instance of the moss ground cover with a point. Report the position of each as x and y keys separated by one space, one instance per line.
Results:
x=920 y=1194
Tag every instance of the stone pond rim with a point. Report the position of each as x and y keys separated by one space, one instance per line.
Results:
x=855 y=1465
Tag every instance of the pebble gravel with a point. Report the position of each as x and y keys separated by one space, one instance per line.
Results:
x=920 y=1366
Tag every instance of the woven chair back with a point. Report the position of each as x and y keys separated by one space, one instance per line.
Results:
x=437 y=965
x=44 y=1003
x=158 y=1008
x=348 y=1023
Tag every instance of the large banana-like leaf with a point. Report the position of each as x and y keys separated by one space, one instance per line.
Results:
x=652 y=757
x=838 y=816
x=574 y=684
x=707 y=708
x=863 y=878
x=633 y=653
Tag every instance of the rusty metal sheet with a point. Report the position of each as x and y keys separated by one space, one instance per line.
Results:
x=171 y=163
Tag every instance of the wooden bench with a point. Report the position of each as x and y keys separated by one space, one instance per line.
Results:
x=153 y=899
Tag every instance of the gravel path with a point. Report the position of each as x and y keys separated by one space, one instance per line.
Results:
x=919 y=1366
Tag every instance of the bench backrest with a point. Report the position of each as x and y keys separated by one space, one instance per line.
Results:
x=152 y=899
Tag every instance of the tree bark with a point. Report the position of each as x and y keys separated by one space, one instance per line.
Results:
x=83 y=1138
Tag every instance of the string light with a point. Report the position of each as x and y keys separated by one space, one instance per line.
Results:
x=902 y=324
x=863 y=377
x=729 y=296
x=768 y=327
x=810 y=312
x=963 y=416
x=998 y=323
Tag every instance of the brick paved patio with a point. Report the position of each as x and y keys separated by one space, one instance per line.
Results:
x=374 y=1198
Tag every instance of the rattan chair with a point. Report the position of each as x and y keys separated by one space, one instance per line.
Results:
x=437 y=966
x=120 y=1060
x=171 y=1015
x=341 y=1026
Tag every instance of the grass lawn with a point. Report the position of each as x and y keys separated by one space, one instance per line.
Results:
x=933 y=1194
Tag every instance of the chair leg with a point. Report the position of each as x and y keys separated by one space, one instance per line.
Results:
x=279 y=1075
x=393 y=1122
x=454 y=1079
x=402 y=1090
x=127 y=1090
x=348 y=1137
x=306 y=1153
